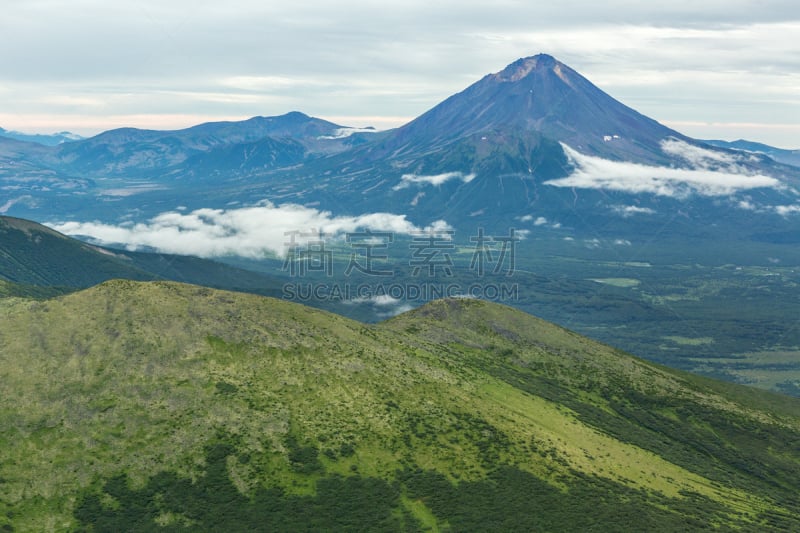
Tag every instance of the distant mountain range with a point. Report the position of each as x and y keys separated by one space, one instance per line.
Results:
x=534 y=140
x=45 y=139
x=625 y=229
x=132 y=402
x=788 y=157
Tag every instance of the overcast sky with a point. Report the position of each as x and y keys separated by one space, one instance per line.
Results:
x=712 y=69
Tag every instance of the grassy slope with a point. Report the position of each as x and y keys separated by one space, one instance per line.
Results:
x=18 y=290
x=36 y=255
x=439 y=410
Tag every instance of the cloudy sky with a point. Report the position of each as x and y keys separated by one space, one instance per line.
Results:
x=712 y=69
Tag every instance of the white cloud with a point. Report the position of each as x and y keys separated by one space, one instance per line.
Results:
x=247 y=231
x=406 y=180
x=371 y=58
x=383 y=300
x=697 y=156
x=392 y=306
x=630 y=210
x=786 y=210
x=538 y=221
x=10 y=203
x=622 y=242
x=782 y=210
x=596 y=173
x=399 y=310
x=130 y=191
x=342 y=133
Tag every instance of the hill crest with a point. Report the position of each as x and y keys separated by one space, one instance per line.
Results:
x=171 y=395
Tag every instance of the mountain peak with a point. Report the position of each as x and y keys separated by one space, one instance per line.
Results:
x=539 y=96
x=522 y=67
x=296 y=115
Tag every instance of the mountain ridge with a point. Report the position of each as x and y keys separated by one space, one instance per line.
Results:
x=788 y=157
x=36 y=255
x=522 y=131
x=513 y=141
x=187 y=407
x=541 y=94
x=688 y=218
x=52 y=139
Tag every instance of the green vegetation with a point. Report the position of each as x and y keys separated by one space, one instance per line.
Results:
x=18 y=290
x=36 y=255
x=664 y=309
x=213 y=503
x=42 y=263
x=149 y=406
x=647 y=301
x=509 y=499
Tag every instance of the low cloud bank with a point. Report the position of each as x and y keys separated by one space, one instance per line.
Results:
x=343 y=133
x=631 y=210
x=786 y=210
x=247 y=232
x=714 y=174
x=407 y=180
x=386 y=306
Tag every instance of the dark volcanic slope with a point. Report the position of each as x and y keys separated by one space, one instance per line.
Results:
x=544 y=95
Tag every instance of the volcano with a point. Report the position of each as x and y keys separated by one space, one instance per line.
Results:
x=534 y=140
x=542 y=95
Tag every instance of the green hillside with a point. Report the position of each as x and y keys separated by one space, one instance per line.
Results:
x=19 y=290
x=35 y=255
x=137 y=406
